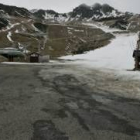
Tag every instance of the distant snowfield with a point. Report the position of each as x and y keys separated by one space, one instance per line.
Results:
x=115 y=57
x=102 y=27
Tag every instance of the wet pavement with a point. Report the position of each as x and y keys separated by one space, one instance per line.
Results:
x=67 y=102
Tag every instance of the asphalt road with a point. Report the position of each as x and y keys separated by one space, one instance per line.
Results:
x=67 y=102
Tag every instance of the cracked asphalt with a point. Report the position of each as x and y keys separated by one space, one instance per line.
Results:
x=61 y=101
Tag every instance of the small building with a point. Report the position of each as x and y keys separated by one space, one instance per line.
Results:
x=34 y=57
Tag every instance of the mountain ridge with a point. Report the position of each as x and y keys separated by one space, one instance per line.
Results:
x=57 y=34
x=94 y=12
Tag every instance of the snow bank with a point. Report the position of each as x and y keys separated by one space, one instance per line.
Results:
x=117 y=55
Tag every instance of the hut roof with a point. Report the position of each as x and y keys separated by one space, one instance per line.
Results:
x=11 y=52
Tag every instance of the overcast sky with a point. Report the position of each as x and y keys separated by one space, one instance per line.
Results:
x=68 y=5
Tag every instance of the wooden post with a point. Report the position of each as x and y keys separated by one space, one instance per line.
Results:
x=137 y=66
x=11 y=58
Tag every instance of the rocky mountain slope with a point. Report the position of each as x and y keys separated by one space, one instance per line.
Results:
x=57 y=34
x=96 y=12
x=14 y=11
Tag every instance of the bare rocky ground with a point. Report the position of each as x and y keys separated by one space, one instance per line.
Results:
x=67 y=102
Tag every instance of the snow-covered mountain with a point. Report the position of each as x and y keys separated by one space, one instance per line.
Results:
x=49 y=15
x=96 y=12
x=83 y=12
x=61 y=33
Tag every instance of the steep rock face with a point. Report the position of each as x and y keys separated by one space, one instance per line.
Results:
x=134 y=23
x=3 y=23
x=120 y=24
x=41 y=27
x=15 y=11
x=82 y=11
x=107 y=8
x=42 y=13
x=96 y=12
x=49 y=15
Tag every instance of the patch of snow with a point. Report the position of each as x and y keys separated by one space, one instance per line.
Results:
x=114 y=14
x=21 y=47
x=10 y=27
x=103 y=14
x=102 y=27
x=78 y=16
x=26 y=51
x=96 y=16
x=83 y=40
x=13 y=25
x=49 y=16
x=2 y=11
x=16 y=31
x=61 y=19
x=29 y=20
x=9 y=37
x=10 y=48
x=69 y=28
x=78 y=30
x=34 y=10
x=69 y=32
x=116 y=55
x=23 y=28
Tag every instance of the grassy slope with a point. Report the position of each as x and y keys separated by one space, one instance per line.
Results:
x=61 y=40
